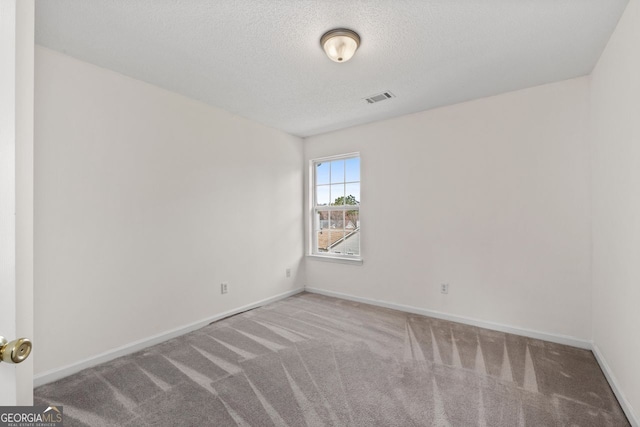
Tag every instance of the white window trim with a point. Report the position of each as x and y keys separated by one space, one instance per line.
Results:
x=346 y=259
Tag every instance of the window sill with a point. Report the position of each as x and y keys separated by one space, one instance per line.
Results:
x=340 y=260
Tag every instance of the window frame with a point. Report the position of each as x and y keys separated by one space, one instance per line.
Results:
x=314 y=208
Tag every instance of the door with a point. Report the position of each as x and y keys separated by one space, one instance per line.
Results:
x=16 y=192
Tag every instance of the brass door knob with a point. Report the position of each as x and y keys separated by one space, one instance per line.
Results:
x=15 y=351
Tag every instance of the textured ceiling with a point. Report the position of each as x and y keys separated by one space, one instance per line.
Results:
x=261 y=59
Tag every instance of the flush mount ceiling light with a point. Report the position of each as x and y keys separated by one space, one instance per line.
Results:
x=340 y=44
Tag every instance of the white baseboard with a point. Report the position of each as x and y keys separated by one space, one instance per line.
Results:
x=613 y=382
x=59 y=373
x=556 y=338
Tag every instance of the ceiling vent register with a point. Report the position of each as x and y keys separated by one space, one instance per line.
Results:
x=380 y=97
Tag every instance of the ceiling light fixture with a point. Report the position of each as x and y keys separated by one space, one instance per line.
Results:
x=340 y=44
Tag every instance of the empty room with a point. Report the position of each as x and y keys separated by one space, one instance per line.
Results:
x=320 y=213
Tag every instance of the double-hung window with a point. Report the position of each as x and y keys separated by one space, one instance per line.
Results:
x=336 y=206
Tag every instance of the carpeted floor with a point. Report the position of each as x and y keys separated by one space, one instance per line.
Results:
x=314 y=360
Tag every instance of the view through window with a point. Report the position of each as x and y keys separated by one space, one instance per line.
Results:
x=336 y=210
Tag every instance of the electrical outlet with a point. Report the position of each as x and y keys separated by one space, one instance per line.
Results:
x=444 y=288
x=224 y=287
x=288 y=272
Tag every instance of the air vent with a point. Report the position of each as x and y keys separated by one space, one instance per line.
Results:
x=380 y=97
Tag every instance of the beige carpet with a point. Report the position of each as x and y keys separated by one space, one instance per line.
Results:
x=311 y=360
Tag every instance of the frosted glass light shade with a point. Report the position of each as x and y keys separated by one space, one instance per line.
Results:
x=340 y=45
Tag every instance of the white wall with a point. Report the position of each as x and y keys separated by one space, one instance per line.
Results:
x=615 y=117
x=490 y=196
x=145 y=202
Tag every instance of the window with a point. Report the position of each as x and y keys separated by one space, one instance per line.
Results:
x=336 y=206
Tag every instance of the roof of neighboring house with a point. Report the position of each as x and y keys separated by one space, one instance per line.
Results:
x=328 y=237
